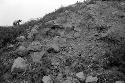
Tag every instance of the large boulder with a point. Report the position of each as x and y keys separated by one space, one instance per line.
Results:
x=19 y=63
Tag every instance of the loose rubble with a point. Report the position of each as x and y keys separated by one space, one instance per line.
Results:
x=81 y=43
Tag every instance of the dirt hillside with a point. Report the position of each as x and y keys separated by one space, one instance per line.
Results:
x=81 y=43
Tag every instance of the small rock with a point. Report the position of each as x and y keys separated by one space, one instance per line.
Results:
x=21 y=38
x=47 y=79
x=55 y=47
x=24 y=81
x=59 y=78
x=119 y=82
x=91 y=79
x=33 y=32
x=46 y=29
x=30 y=35
x=19 y=63
x=92 y=6
x=77 y=29
x=11 y=45
x=76 y=34
x=80 y=75
x=36 y=56
x=50 y=22
x=35 y=27
x=21 y=50
x=67 y=81
x=35 y=46
x=54 y=44
x=71 y=80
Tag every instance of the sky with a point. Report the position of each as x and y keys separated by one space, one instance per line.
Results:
x=11 y=10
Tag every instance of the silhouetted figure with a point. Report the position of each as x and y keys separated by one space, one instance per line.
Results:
x=17 y=22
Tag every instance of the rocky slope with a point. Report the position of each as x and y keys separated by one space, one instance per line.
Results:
x=81 y=43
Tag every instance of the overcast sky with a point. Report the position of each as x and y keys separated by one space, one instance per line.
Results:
x=25 y=10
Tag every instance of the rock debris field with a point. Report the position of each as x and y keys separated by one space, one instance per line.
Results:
x=81 y=43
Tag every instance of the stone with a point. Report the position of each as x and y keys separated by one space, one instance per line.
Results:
x=80 y=75
x=119 y=82
x=47 y=79
x=33 y=32
x=35 y=46
x=91 y=79
x=35 y=27
x=76 y=35
x=21 y=50
x=59 y=78
x=71 y=80
x=30 y=35
x=54 y=44
x=50 y=22
x=21 y=38
x=24 y=81
x=19 y=63
x=11 y=45
x=36 y=56
x=55 y=62
x=77 y=29
x=67 y=81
